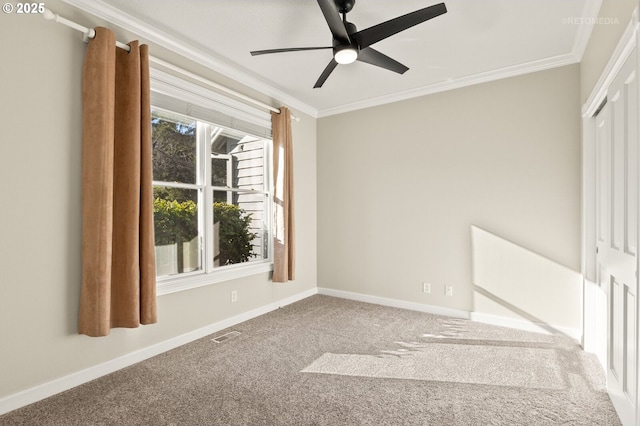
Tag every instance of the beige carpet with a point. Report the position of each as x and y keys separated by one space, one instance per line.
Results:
x=327 y=361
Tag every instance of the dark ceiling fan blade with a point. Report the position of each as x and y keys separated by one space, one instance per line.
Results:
x=291 y=49
x=373 y=57
x=325 y=74
x=368 y=36
x=332 y=16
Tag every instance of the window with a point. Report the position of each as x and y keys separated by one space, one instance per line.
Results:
x=211 y=192
x=211 y=178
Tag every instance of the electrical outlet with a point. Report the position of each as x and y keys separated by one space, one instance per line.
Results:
x=234 y=296
x=448 y=290
x=426 y=288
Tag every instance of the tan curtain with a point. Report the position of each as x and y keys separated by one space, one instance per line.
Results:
x=118 y=259
x=284 y=230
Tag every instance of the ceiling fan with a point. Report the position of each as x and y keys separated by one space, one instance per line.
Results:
x=350 y=45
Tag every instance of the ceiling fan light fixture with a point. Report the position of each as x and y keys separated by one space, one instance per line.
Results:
x=348 y=55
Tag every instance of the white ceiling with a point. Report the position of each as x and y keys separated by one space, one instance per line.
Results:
x=474 y=41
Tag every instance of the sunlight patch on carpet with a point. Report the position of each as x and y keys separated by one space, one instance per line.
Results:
x=486 y=365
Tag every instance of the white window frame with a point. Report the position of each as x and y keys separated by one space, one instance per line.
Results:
x=189 y=96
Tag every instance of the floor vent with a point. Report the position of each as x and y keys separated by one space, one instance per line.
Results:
x=226 y=336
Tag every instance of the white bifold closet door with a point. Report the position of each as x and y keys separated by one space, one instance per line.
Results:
x=617 y=234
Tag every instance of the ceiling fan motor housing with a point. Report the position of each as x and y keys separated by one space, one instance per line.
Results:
x=351 y=28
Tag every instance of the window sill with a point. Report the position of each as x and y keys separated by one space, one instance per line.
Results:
x=174 y=285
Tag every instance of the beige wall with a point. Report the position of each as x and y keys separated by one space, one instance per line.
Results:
x=400 y=185
x=40 y=112
x=615 y=15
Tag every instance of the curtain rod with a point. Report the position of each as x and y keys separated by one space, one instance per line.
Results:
x=88 y=33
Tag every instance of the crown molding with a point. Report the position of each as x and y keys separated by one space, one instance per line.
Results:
x=512 y=71
x=591 y=10
x=202 y=57
x=210 y=60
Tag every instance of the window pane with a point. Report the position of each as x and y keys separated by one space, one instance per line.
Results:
x=239 y=230
x=221 y=171
x=174 y=148
x=175 y=216
x=249 y=160
x=237 y=160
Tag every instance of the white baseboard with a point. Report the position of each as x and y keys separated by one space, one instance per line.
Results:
x=521 y=324
x=45 y=390
x=518 y=324
x=395 y=303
